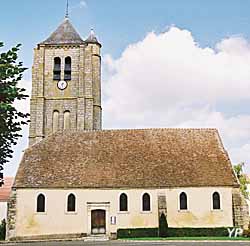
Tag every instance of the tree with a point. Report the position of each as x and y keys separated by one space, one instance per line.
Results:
x=163 y=225
x=243 y=179
x=11 y=120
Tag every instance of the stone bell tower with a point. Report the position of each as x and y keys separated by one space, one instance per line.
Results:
x=66 y=84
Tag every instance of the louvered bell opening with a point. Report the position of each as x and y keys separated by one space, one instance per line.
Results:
x=57 y=75
x=57 y=69
x=67 y=68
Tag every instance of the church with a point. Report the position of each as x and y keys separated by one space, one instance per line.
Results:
x=77 y=180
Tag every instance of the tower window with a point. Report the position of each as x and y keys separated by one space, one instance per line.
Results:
x=71 y=204
x=183 y=201
x=40 y=207
x=66 y=120
x=123 y=202
x=146 y=202
x=57 y=68
x=67 y=68
x=55 y=121
x=216 y=200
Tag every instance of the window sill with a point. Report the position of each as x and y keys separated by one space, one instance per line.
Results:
x=40 y=213
x=183 y=211
x=70 y=213
x=146 y=212
x=216 y=210
x=123 y=212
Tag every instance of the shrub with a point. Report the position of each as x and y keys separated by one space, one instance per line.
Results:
x=163 y=226
x=198 y=232
x=3 y=230
x=173 y=232
x=137 y=232
x=246 y=233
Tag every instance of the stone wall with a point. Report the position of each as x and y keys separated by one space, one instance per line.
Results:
x=240 y=209
x=162 y=204
x=11 y=216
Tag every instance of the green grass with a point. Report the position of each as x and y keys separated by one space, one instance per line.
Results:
x=188 y=238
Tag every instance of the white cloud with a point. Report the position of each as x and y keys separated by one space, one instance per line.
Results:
x=83 y=4
x=168 y=80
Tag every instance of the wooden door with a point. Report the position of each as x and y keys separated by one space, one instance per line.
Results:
x=98 y=221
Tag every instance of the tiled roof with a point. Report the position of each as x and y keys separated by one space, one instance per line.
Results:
x=64 y=34
x=6 y=189
x=136 y=158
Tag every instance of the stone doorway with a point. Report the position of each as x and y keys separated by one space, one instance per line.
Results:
x=98 y=214
x=98 y=221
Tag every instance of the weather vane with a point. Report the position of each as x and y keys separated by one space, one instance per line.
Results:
x=67 y=10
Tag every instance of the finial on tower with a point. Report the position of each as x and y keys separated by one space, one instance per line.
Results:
x=67 y=10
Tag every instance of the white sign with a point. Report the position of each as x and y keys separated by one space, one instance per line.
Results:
x=113 y=220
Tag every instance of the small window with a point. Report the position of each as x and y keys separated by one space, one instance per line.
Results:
x=123 y=202
x=40 y=208
x=66 y=120
x=57 y=69
x=55 y=121
x=183 y=201
x=216 y=200
x=146 y=202
x=71 y=205
x=67 y=68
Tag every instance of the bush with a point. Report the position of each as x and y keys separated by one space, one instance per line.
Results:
x=163 y=226
x=246 y=233
x=3 y=230
x=173 y=232
x=137 y=232
x=198 y=232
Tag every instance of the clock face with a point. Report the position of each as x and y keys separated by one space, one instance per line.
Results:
x=62 y=84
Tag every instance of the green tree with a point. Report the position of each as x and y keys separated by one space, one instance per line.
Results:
x=11 y=120
x=163 y=225
x=2 y=229
x=243 y=179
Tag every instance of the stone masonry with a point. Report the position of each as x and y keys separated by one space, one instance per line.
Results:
x=240 y=209
x=82 y=97
x=11 y=216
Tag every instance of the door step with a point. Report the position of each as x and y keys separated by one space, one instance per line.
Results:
x=95 y=238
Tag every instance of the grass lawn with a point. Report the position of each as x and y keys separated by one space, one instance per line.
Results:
x=188 y=238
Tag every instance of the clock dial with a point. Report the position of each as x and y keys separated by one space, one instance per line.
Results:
x=62 y=85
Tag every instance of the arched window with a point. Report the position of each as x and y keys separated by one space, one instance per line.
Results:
x=67 y=68
x=66 y=120
x=55 y=121
x=57 y=68
x=183 y=201
x=146 y=202
x=40 y=204
x=216 y=200
x=71 y=204
x=123 y=202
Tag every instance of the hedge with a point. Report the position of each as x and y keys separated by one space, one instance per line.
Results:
x=2 y=230
x=173 y=232
x=137 y=232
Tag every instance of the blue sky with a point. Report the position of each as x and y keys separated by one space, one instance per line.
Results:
x=123 y=28
x=119 y=23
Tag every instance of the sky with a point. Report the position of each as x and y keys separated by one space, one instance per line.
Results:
x=165 y=63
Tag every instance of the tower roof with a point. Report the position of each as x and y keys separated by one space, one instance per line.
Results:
x=64 y=34
x=92 y=38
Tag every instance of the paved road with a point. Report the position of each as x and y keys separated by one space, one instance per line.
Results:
x=120 y=243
